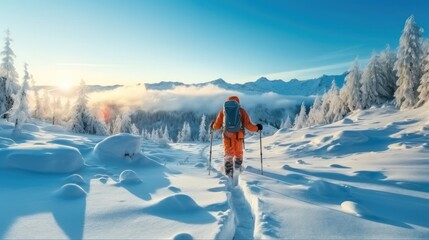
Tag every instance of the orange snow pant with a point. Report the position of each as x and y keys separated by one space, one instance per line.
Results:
x=233 y=149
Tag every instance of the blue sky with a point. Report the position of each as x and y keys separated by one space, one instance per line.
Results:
x=131 y=41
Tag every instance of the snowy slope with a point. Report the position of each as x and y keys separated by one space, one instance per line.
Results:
x=362 y=177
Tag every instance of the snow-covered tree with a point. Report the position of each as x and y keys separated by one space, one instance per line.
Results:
x=185 y=134
x=165 y=134
x=145 y=134
x=19 y=113
x=387 y=61
x=202 y=136
x=3 y=108
x=314 y=114
x=371 y=89
x=301 y=119
x=82 y=121
x=408 y=65
x=287 y=123
x=122 y=124
x=8 y=77
x=328 y=102
x=37 y=111
x=46 y=105
x=338 y=108
x=423 y=89
x=134 y=130
x=350 y=93
x=66 y=111
x=126 y=123
x=116 y=125
x=56 y=110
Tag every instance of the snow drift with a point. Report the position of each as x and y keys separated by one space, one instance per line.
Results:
x=49 y=158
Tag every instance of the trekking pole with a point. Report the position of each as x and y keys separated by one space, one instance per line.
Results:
x=210 y=158
x=260 y=145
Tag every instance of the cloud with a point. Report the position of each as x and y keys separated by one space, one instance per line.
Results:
x=207 y=99
x=308 y=73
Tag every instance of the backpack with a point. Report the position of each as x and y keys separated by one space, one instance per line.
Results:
x=231 y=116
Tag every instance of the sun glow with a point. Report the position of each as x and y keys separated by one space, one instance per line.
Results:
x=65 y=85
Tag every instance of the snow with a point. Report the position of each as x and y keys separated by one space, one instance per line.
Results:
x=50 y=158
x=358 y=178
x=71 y=191
x=122 y=147
x=129 y=177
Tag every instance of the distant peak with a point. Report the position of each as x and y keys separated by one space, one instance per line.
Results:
x=218 y=81
x=262 y=79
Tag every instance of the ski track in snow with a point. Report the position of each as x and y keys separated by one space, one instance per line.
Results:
x=242 y=212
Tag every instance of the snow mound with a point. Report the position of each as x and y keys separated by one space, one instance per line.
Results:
x=183 y=236
x=372 y=175
x=30 y=127
x=307 y=136
x=129 y=177
x=200 y=165
x=49 y=158
x=54 y=128
x=76 y=179
x=71 y=191
x=354 y=208
x=122 y=147
x=328 y=189
x=347 y=121
x=321 y=140
x=399 y=146
x=178 y=203
x=350 y=137
x=6 y=142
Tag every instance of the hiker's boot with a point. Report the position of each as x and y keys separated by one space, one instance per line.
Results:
x=229 y=168
x=238 y=164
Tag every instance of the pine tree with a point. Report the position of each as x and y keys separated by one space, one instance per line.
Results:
x=46 y=105
x=338 y=108
x=301 y=119
x=165 y=134
x=387 y=61
x=351 y=91
x=423 y=89
x=408 y=65
x=134 y=130
x=185 y=134
x=82 y=121
x=314 y=114
x=371 y=91
x=37 y=112
x=328 y=104
x=116 y=125
x=8 y=77
x=126 y=123
x=66 y=111
x=287 y=123
x=202 y=136
x=19 y=113
x=57 y=107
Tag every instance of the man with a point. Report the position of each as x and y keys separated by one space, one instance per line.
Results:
x=233 y=139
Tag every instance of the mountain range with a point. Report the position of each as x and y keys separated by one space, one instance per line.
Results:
x=264 y=85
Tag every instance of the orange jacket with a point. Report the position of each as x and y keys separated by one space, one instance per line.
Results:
x=247 y=123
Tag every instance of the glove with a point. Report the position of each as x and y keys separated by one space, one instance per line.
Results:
x=259 y=126
x=211 y=125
